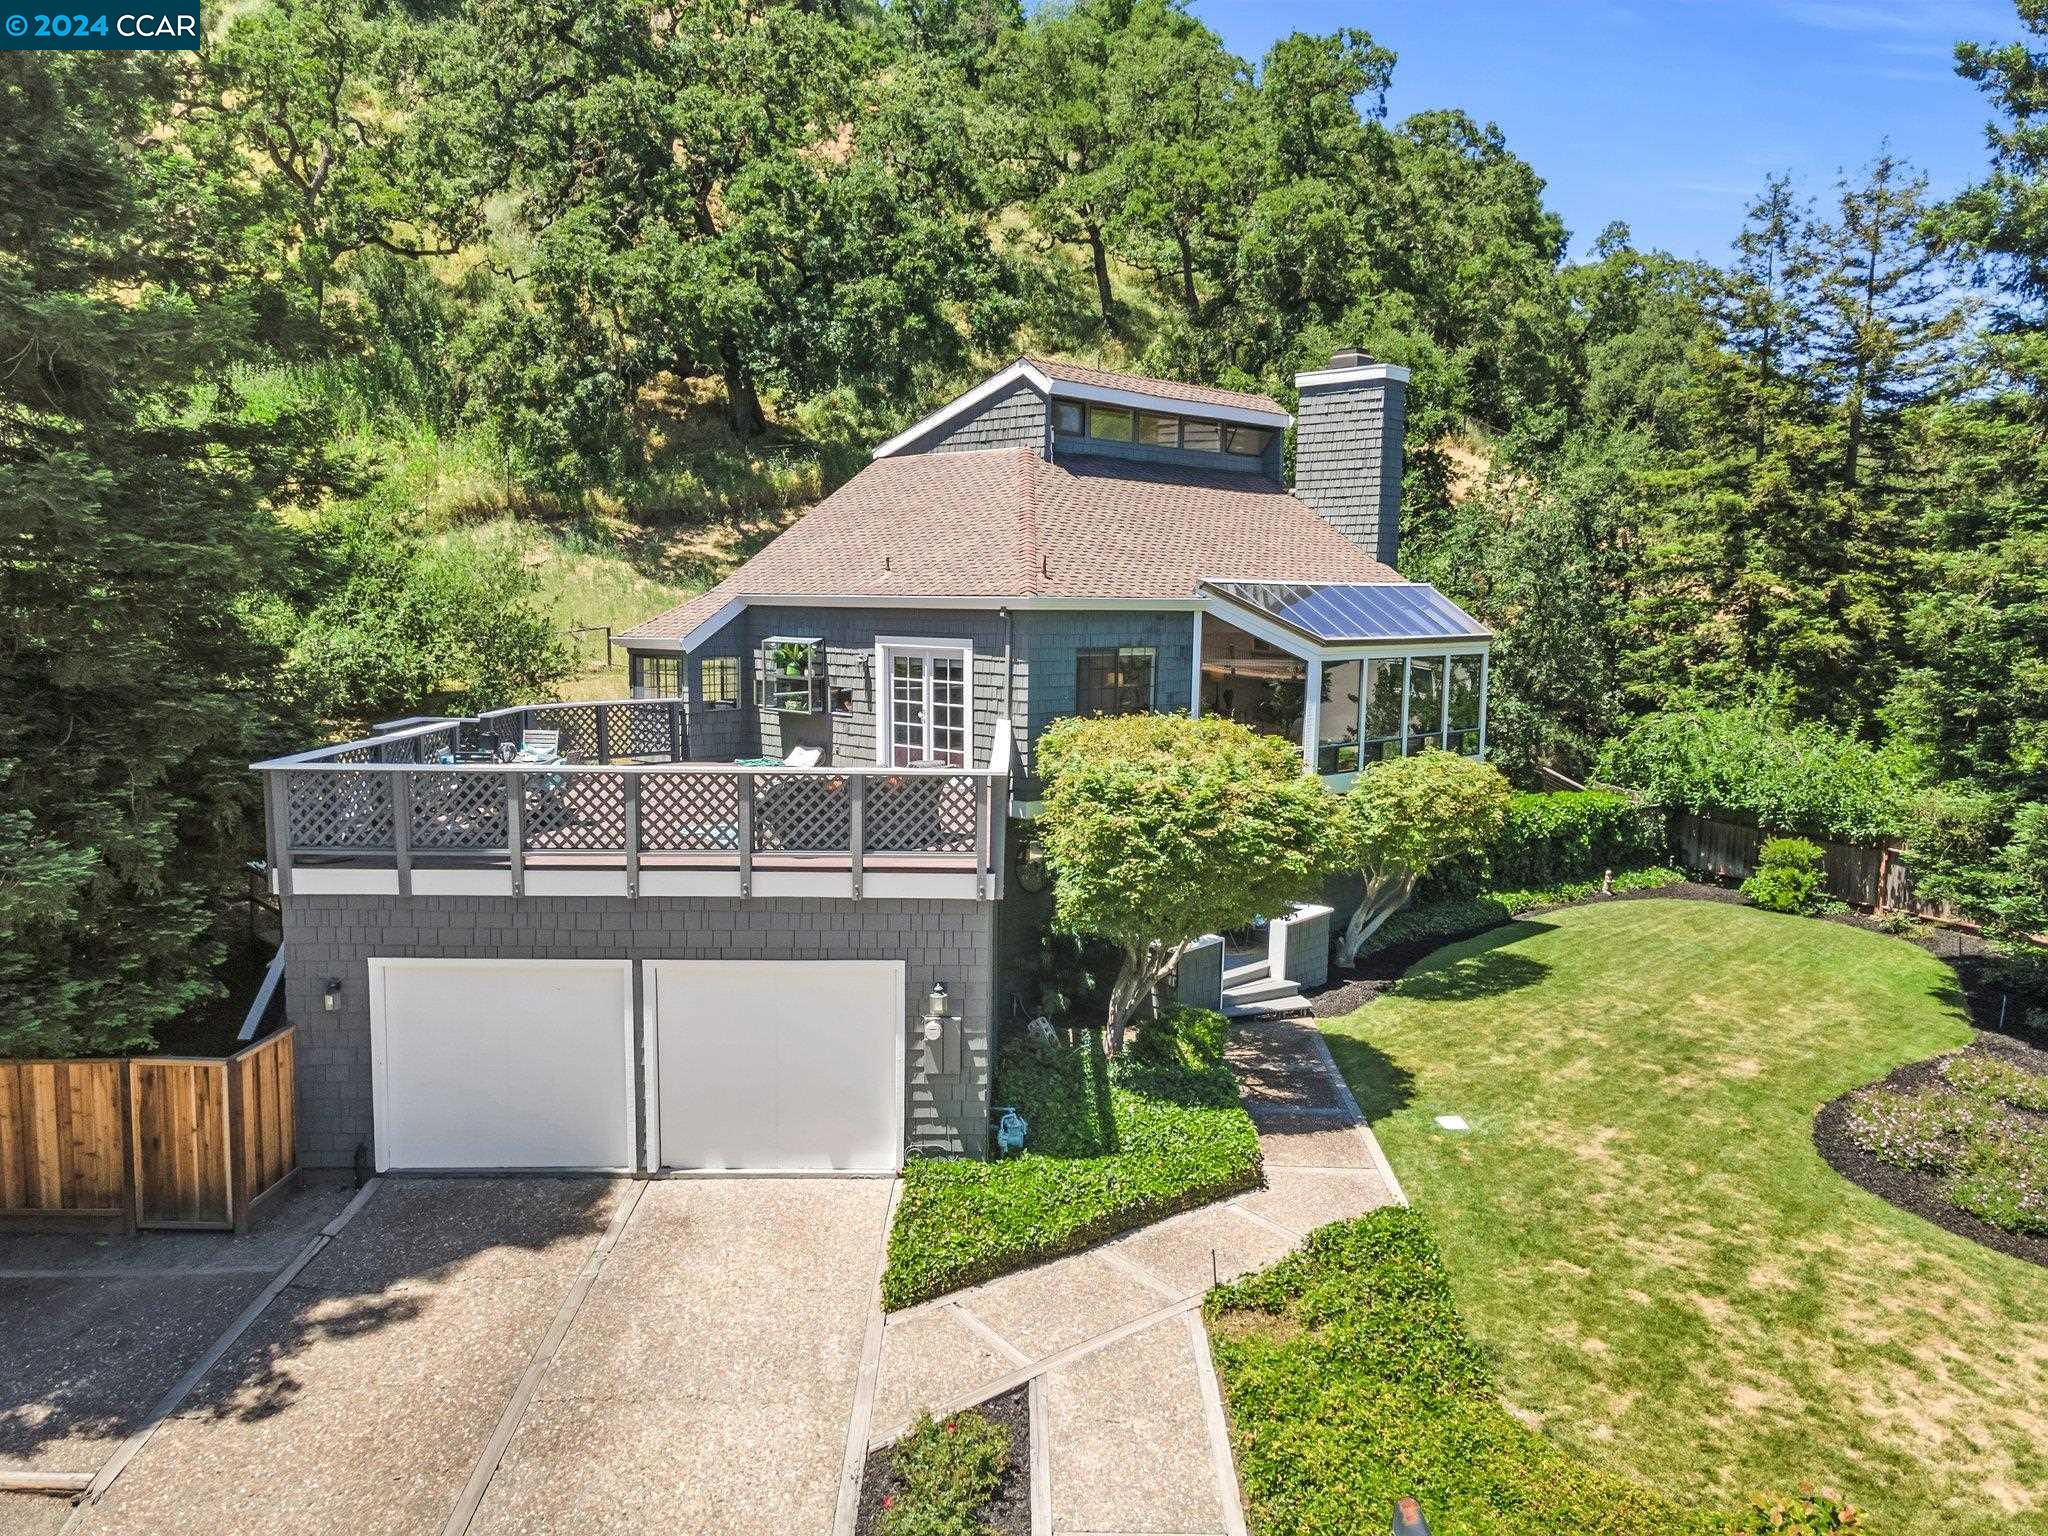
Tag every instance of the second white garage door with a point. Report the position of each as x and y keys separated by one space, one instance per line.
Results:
x=776 y=1064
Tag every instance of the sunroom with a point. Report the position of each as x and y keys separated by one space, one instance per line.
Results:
x=1352 y=672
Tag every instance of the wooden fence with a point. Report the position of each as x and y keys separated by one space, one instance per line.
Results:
x=149 y=1141
x=1876 y=879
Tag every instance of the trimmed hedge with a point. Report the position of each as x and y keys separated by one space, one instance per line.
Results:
x=1351 y=1383
x=1554 y=838
x=1112 y=1145
x=1459 y=916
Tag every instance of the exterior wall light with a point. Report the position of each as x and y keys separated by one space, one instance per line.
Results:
x=331 y=999
x=937 y=1009
x=1031 y=871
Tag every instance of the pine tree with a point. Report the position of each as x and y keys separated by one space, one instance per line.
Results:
x=132 y=509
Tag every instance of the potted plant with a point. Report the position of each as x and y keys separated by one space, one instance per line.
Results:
x=792 y=659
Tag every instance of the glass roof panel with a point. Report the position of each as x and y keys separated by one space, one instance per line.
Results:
x=1340 y=612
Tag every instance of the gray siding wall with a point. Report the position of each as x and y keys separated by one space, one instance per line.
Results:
x=946 y=1110
x=1048 y=643
x=1198 y=980
x=1347 y=460
x=1013 y=418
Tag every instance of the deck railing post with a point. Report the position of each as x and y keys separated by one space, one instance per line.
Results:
x=999 y=831
x=856 y=828
x=632 y=789
x=675 y=731
x=515 y=829
x=746 y=833
x=281 y=811
x=604 y=733
x=984 y=803
x=401 y=827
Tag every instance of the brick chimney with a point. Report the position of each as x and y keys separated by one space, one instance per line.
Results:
x=1347 y=448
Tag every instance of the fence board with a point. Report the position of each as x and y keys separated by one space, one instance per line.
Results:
x=1867 y=877
x=60 y=1137
x=160 y=1141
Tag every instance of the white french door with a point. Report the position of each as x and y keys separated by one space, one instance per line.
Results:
x=927 y=714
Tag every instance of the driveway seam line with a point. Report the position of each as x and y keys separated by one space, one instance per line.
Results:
x=853 y=1463
x=1345 y=1097
x=1220 y=1458
x=1041 y=1457
x=112 y=1272
x=1053 y=1362
x=1268 y=1222
x=172 y=1400
x=493 y=1453
x=982 y=1330
x=1155 y=1283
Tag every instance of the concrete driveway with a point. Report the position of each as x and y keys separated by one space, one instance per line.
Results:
x=511 y=1355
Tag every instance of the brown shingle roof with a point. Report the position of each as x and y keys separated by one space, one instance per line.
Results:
x=1006 y=523
x=1165 y=389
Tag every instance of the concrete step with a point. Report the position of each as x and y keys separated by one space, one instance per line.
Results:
x=1251 y=970
x=1290 y=1006
x=1259 y=991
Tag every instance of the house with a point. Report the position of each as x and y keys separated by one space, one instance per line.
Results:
x=748 y=918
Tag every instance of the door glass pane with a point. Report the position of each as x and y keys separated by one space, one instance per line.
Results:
x=1465 y=704
x=949 y=711
x=906 y=710
x=1425 y=702
x=1383 y=709
x=1337 y=722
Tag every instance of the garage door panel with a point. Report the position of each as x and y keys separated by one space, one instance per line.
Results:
x=779 y=1064
x=503 y=1064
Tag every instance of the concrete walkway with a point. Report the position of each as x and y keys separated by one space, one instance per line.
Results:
x=1129 y=1431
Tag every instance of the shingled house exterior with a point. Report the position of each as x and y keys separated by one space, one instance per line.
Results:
x=748 y=918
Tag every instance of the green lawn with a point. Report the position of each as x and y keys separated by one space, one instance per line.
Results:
x=1668 y=1279
x=1112 y=1145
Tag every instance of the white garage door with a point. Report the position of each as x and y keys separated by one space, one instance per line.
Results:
x=502 y=1063
x=794 y=1064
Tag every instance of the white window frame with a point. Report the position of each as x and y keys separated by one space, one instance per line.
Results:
x=887 y=648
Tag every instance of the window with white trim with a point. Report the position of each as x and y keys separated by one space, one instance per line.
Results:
x=928 y=721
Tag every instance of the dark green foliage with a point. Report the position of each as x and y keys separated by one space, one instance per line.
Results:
x=1351 y=1383
x=1551 y=839
x=946 y=1472
x=409 y=621
x=1788 y=876
x=1748 y=759
x=1113 y=1144
x=137 y=521
x=1977 y=851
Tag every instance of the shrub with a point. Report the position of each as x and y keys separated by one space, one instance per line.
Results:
x=1922 y=1131
x=1554 y=838
x=1811 y=1514
x=1457 y=917
x=1403 y=818
x=1788 y=876
x=2005 y=1180
x=1975 y=1072
x=1745 y=759
x=945 y=1474
x=1114 y=1143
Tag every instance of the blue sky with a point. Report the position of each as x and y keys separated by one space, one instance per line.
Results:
x=1668 y=114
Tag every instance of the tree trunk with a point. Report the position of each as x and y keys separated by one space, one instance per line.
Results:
x=1103 y=296
x=743 y=402
x=1144 y=968
x=1187 y=275
x=1384 y=896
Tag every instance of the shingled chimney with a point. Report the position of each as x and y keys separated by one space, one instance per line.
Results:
x=1347 y=448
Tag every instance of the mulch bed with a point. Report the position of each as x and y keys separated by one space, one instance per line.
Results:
x=1010 y=1515
x=1918 y=1193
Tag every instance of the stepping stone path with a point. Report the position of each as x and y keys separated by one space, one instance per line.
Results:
x=1128 y=1429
